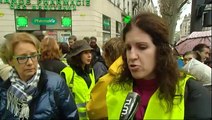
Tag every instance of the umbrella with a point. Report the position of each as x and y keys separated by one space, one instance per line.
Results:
x=197 y=37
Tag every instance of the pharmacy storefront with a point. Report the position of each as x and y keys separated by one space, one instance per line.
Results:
x=54 y=17
x=61 y=18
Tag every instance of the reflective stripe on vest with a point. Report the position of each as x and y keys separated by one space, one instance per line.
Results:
x=80 y=89
x=82 y=110
x=115 y=99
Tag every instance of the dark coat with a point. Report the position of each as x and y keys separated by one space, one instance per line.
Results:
x=52 y=101
x=99 y=67
x=197 y=101
x=96 y=52
x=53 y=65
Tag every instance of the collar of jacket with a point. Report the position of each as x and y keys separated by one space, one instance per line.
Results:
x=116 y=67
x=41 y=84
x=80 y=71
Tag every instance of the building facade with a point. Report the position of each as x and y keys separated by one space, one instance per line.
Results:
x=185 y=26
x=62 y=18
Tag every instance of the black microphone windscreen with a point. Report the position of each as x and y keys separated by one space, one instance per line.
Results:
x=130 y=106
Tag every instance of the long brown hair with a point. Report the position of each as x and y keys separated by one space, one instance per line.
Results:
x=166 y=70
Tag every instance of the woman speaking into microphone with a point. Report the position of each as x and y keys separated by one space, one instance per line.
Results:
x=150 y=69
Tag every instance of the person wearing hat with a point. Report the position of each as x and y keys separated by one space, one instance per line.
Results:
x=79 y=75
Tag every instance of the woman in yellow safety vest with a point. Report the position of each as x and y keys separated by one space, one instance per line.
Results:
x=79 y=76
x=150 y=69
x=112 y=50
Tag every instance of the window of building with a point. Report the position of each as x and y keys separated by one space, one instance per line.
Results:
x=118 y=28
x=106 y=25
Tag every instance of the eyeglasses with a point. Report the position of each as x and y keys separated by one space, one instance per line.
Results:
x=24 y=59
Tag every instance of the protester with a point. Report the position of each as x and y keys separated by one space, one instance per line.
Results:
x=87 y=39
x=64 y=48
x=98 y=62
x=73 y=37
x=178 y=57
x=197 y=69
x=203 y=50
x=96 y=50
x=112 y=51
x=191 y=54
x=31 y=92
x=71 y=40
x=99 y=67
x=150 y=69
x=50 y=55
x=39 y=35
x=200 y=71
x=7 y=36
x=4 y=70
x=79 y=76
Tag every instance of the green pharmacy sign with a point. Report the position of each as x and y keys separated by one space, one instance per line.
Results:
x=127 y=19
x=21 y=21
x=66 y=22
x=46 y=4
x=44 y=21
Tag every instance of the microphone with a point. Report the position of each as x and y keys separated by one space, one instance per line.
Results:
x=130 y=106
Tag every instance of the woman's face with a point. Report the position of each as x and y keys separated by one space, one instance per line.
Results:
x=86 y=57
x=141 y=54
x=25 y=69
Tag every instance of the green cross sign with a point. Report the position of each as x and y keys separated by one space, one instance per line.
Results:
x=66 y=21
x=21 y=21
x=127 y=19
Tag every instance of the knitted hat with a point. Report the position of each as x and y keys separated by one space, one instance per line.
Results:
x=78 y=47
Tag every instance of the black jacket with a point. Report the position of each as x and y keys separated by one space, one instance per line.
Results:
x=197 y=101
x=53 y=65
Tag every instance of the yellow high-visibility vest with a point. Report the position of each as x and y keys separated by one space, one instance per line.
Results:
x=79 y=88
x=156 y=109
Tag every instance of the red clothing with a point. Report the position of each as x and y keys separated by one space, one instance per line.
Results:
x=145 y=88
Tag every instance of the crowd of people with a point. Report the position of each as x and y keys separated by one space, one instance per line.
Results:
x=43 y=79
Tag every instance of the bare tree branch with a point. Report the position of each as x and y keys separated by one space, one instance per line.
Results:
x=171 y=11
x=181 y=5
